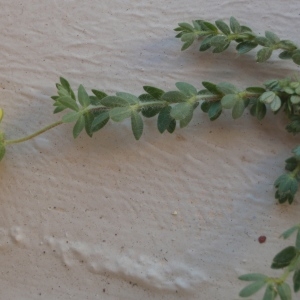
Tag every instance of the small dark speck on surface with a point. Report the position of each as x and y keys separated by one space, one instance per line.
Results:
x=262 y=239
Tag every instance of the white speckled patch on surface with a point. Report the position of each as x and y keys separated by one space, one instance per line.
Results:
x=94 y=218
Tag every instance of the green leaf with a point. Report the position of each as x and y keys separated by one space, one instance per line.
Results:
x=88 y=121
x=245 y=47
x=211 y=87
x=54 y=97
x=287 y=45
x=205 y=106
x=235 y=25
x=99 y=94
x=79 y=125
x=218 y=40
x=276 y=104
x=287 y=186
x=95 y=101
x=113 y=101
x=289 y=90
x=296 y=151
x=118 y=114
x=297 y=244
x=294 y=84
x=131 y=99
x=172 y=126
x=181 y=111
x=146 y=98
x=267 y=97
x=284 y=291
x=284 y=257
x=262 y=41
x=100 y=121
x=272 y=37
x=258 y=110
x=188 y=39
x=64 y=82
x=270 y=293
x=2 y=151
x=272 y=84
x=174 y=97
x=222 y=47
x=252 y=288
x=61 y=90
x=289 y=232
x=186 y=27
x=286 y=55
x=137 y=125
x=71 y=117
x=227 y=88
x=295 y=99
x=296 y=281
x=153 y=91
x=150 y=112
x=184 y=122
x=186 y=88
x=164 y=119
x=1 y=114
x=296 y=57
x=238 y=109
x=223 y=27
x=210 y=26
x=245 y=29
x=291 y=164
x=83 y=97
x=253 y=277
x=196 y=24
x=58 y=109
x=255 y=90
x=66 y=87
x=205 y=44
x=229 y=100
x=215 y=110
x=264 y=54
x=68 y=102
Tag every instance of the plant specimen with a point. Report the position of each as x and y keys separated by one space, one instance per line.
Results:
x=287 y=259
x=175 y=108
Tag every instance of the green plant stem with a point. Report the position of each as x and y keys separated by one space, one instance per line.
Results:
x=296 y=171
x=31 y=136
x=283 y=277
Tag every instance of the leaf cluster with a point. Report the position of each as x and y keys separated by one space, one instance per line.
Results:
x=176 y=107
x=93 y=112
x=287 y=259
x=218 y=36
x=172 y=107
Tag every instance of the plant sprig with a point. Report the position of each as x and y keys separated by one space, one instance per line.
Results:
x=219 y=36
x=287 y=259
x=176 y=107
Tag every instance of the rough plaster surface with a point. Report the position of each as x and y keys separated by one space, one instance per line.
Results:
x=94 y=218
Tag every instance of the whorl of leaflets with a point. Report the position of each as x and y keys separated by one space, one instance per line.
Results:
x=287 y=259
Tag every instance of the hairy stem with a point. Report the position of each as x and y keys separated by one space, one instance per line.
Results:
x=31 y=136
x=296 y=171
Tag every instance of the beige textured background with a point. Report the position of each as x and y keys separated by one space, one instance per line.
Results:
x=92 y=218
